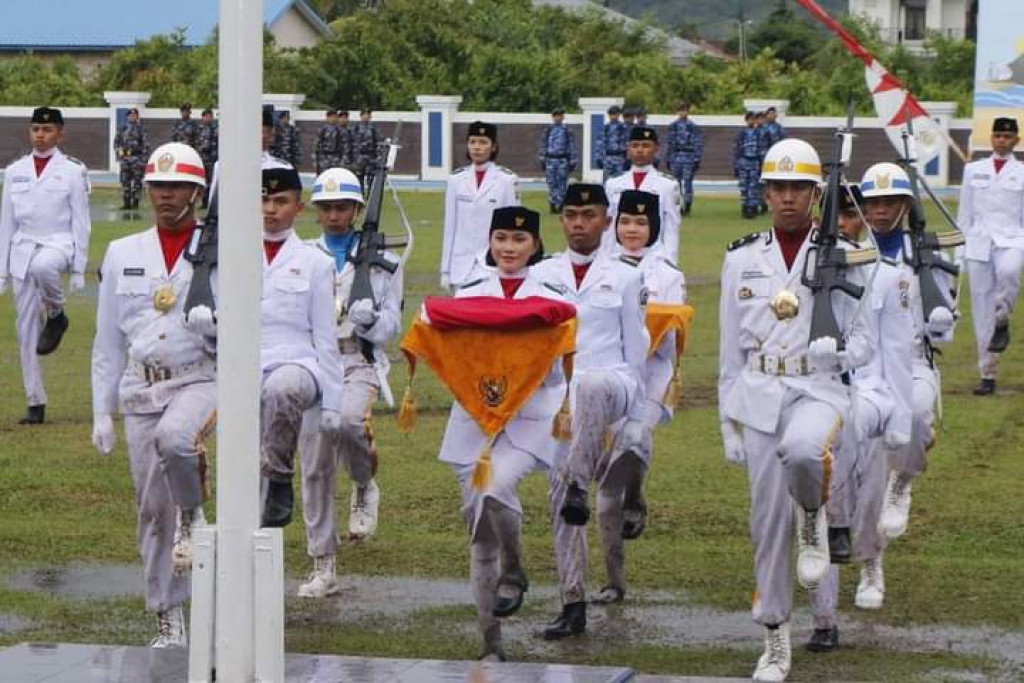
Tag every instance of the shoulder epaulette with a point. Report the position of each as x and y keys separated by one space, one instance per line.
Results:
x=459 y=170
x=76 y=161
x=557 y=289
x=474 y=283
x=744 y=241
x=671 y=264
x=629 y=260
x=890 y=261
x=505 y=169
x=849 y=241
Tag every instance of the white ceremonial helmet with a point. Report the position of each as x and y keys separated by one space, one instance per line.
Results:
x=791 y=159
x=336 y=184
x=885 y=180
x=175 y=162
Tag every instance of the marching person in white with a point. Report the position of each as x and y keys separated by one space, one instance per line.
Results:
x=44 y=231
x=621 y=508
x=158 y=368
x=991 y=215
x=299 y=350
x=607 y=384
x=494 y=516
x=363 y=330
x=883 y=396
x=782 y=397
x=642 y=175
x=887 y=196
x=472 y=194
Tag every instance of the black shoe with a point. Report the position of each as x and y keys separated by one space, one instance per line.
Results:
x=508 y=606
x=1000 y=338
x=52 y=333
x=686 y=208
x=986 y=387
x=35 y=415
x=574 y=510
x=127 y=206
x=839 y=546
x=571 y=622
x=824 y=640
x=552 y=208
x=634 y=521
x=763 y=209
x=277 y=508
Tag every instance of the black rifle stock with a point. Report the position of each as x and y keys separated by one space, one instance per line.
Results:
x=924 y=255
x=202 y=254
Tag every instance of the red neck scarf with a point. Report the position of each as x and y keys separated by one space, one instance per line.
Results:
x=40 y=163
x=271 y=249
x=638 y=179
x=172 y=243
x=790 y=243
x=580 y=271
x=510 y=285
x=480 y=173
x=999 y=164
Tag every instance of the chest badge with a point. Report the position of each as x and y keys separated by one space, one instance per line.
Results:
x=785 y=305
x=492 y=390
x=164 y=299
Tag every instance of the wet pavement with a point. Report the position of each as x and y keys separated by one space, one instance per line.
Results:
x=12 y=623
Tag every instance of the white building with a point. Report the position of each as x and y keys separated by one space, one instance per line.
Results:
x=909 y=21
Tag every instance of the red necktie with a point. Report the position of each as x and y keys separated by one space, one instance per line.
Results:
x=638 y=179
x=999 y=164
x=480 y=176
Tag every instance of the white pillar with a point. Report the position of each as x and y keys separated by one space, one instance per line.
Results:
x=290 y=103
x=936 y=172
x=594 y=110
x=121 y=101
x=781 y=106
x=437 y=112
x=238 y=340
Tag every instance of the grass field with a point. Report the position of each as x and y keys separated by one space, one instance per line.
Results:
x=958 y=570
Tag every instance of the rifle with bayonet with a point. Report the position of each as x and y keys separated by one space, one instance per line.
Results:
x=830 y=260
x=202 y=254
x=923 y=252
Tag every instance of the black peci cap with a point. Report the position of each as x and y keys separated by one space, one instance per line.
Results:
x=1005 y=124
x=585 y=194
x=482 y=129
x=643 y=133
x=516 y=218
x=280 y=180
x=47 y=115
x=637 y=203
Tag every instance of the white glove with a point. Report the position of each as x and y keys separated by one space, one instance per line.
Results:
x=200 y=320
x=5 y=281
x=76 y=283
x=330 y=421
x=824 y=354
x=361 y=313
x=103 y=438
x=446 y=281
x=895 y=440
x=733 y=442
x=940 y=322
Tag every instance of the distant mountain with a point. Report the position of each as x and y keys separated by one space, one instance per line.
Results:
x=714 y=19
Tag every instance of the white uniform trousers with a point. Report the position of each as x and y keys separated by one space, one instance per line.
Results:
x=288 y=391
x=600 y=400
x=793 y=464
x=160 y=444
x=625 y=472
x=36 y=297
x=911 y=460
x=353 y=446
x=494 y=518
x=995 y=285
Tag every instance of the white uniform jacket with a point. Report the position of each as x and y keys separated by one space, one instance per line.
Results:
x=467 y=216
x=886 y=380
x=530 y=429
x=666 y=285
x=761 y=356
x=51 y=210
x=298 y=316
x=387 y=293
x=611 y=308
x=670 y=201
x=141 y=354
x=991 y=210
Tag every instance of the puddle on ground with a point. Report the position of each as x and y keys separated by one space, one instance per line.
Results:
x=81 y=581
x=11 y=623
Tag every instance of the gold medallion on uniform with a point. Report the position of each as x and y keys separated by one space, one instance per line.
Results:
x=785 y=305
x=164 y=299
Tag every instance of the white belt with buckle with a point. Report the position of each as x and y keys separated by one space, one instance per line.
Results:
x=349 y=345
x=783 y=366
x=158 y=373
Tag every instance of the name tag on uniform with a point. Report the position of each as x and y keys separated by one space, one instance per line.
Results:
x=752 y=274
x=464 y=198
x=983 y=176
x=136 y=272
x=21 y=179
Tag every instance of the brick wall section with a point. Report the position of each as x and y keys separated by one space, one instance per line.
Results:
x=85 y=139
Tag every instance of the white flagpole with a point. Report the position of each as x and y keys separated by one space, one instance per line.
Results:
x=240 y=279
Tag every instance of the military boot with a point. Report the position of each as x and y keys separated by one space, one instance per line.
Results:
x=53 y=332
x=571 y=622
x=35 y=415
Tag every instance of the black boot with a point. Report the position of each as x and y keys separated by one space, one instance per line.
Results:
x=824 y=640
x=986 y=387
x=277 y=508
x=634 y=520
x=552 y=208
x=686 y=208
x=52 y=333
x=839 y=546
x=574 y=510
x=1000 y=338
x=35 y=415
x=509 y=605
x=571 y=622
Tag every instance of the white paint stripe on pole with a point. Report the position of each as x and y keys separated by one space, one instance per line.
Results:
x=240 y=284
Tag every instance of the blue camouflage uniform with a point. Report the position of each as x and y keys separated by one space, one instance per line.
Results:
x=132 y=145
x=685 y=151
x=557 y=155
x=611 y=148
x=771 y=133
x=747 y=153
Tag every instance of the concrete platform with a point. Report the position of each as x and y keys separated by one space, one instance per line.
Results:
x=74 y=663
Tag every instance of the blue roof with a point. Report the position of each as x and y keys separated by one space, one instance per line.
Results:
x=79 y=25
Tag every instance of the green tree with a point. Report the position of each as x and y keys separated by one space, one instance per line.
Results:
x=30 y=80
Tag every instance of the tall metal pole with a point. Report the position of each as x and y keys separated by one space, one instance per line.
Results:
x=240 y=279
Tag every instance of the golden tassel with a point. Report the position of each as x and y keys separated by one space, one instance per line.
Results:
x=674 y=390
x=482 y=472
x=561 y=428
x=607 y=440
x=407 y=412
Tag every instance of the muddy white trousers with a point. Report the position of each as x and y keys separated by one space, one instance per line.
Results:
x=35 y=297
